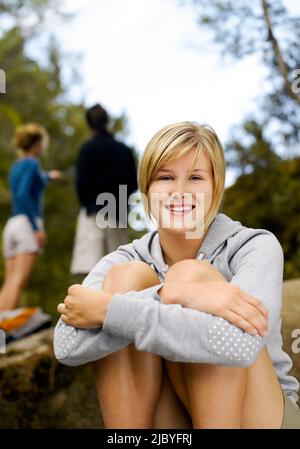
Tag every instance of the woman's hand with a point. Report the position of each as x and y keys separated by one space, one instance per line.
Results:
x=41 y=237
x=55 y=174
x=222 y=299
x=83 y=307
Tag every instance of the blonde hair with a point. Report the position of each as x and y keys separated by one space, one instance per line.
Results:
x=174 y=141
x=27 y=135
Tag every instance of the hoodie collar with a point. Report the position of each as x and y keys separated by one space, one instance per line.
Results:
x=219 y=232
x=222 y=227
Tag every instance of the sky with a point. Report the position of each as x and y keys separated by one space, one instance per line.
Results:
x=151 y=61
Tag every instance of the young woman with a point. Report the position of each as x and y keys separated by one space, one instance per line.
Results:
x=183 y=324
x=24 y=235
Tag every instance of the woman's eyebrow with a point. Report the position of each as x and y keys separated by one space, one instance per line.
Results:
x=195 y=169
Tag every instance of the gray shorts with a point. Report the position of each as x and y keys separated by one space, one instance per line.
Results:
x=291 y=415
x=18 y=236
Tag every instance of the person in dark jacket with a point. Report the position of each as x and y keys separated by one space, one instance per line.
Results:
x=105 y=167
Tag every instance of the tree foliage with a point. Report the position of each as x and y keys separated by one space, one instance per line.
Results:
x=268 y=30
x=35 y=92
x=266 y=191
x=266 y=194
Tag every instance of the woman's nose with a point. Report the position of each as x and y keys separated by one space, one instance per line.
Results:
x=180 y=189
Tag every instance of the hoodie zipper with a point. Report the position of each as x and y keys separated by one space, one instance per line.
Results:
x=161 y=273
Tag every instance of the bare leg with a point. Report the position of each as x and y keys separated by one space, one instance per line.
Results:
x=17 y=273
x=9 y=266
x=128 y=381
x=133 y=387
x=221 y=396
x=170 y=413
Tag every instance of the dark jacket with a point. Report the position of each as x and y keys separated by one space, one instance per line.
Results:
x=103 y=164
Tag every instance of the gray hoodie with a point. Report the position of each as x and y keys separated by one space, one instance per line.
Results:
x=251 y=258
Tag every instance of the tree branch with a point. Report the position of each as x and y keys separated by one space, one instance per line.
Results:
x=278 y=54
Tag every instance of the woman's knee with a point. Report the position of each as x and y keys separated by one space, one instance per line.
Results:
x=193 y=270
x=135 y=273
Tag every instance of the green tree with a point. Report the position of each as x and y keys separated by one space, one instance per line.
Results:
x=267 y=29
x=266 y=194
x=266 y=191
x=35 y=92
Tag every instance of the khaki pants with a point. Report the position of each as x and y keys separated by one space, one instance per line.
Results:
x=93 y=242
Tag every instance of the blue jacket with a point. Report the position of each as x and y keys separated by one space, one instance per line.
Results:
x=27 y=182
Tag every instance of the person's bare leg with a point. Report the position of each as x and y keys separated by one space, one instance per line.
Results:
x=222 y=396
x=9 y=264
x=263 y=404
x=9 y=267
x=128 y=381
x=170 y=412
x=20 y=272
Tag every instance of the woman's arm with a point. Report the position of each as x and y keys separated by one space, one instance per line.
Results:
x=76 y=346
x=219 y=298
x=186 y=335
x=23 y=192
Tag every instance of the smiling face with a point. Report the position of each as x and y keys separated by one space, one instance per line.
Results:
x=181 y=193
x=183 y=165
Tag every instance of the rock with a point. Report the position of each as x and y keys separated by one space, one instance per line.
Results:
x=38 y=392
x=290 y=314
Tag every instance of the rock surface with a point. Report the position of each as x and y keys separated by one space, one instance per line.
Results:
x=38 y=392
x=290 y=314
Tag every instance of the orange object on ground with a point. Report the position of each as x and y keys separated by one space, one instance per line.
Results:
x=10 y=324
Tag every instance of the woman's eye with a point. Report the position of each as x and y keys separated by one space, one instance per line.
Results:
x=170 y=177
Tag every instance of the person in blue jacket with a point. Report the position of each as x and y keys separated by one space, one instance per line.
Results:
x=24 y=235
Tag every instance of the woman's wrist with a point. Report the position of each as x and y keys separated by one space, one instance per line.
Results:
x=173 y=293
x=186 y=294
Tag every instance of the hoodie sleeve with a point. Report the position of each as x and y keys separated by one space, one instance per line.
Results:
x=187 y=335
x=74 y=346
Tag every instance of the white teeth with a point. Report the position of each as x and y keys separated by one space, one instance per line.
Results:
x=180 y=209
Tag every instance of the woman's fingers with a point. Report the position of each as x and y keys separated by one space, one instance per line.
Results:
x=252 y=315
x=256 y=303
x=61 y=308
x=65 y=318
x=240 y=322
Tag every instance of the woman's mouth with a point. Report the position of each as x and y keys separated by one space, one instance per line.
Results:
x=180 y=210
